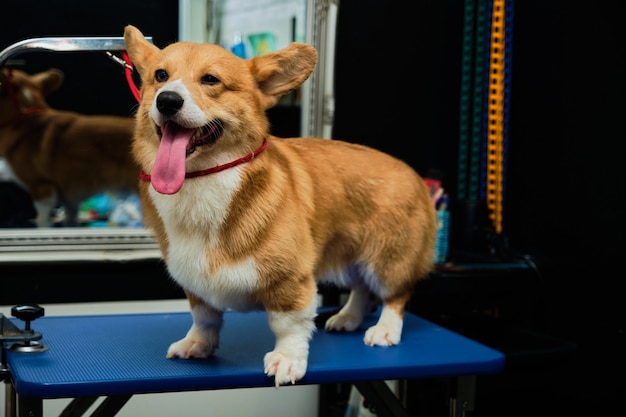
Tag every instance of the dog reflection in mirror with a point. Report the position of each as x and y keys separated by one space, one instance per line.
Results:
x=61 y=157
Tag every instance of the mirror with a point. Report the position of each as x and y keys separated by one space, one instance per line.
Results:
x=106 y=223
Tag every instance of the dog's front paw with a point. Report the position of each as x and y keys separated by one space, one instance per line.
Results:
x=382 y=335
x=283 y=368
x=189 y=348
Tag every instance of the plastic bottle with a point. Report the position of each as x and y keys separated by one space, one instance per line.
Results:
x=238 y=48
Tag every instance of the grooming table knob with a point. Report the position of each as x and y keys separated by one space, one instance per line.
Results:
x=27 y=313
x=28 y=342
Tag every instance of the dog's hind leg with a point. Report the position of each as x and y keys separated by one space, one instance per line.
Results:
x=293 y=331
x=351 y=315
x=388 y=330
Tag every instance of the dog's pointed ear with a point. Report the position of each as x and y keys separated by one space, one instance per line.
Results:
x=139 y=50
x=49 y=80
x=277 y=73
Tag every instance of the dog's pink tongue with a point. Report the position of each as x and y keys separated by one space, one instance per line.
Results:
x=168 y=172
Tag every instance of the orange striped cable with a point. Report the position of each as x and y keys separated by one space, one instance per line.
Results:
x=495 y=118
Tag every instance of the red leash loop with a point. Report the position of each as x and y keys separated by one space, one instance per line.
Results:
x=128 y=70
x=129 y=75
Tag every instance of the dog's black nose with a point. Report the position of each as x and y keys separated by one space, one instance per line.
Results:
x=169 y=102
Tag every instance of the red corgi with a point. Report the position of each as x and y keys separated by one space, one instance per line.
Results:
x=246 y=220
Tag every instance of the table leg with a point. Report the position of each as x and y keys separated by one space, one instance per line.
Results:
x=383 y=399
x=33 y=407
x=463 y=399
x=9 y=400
x=78 y=407
x=29 y=407
x=111 y=405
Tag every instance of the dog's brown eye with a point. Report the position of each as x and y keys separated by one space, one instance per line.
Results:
x=160 y=75
x=210 y=79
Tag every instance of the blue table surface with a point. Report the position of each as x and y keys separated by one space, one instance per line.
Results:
x=125 y=354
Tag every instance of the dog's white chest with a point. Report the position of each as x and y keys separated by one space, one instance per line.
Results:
x=227 y=287
x=192 y=219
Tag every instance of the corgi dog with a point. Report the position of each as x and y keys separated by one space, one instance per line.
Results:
x=246 y=220
x=61 y=157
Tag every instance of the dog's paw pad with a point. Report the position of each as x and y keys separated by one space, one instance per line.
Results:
x=342 y=322
x=188 y=348
x=283 y=368
x=381 y=336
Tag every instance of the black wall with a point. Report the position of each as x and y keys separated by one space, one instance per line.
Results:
x=397 y=80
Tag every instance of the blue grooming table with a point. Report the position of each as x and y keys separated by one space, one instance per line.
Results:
x=122 y=355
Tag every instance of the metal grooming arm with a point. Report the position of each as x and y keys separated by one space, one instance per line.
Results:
x=64 y=44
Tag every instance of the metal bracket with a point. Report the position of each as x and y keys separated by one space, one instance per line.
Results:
x=23 y=341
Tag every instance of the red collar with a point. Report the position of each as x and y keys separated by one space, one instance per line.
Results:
x=218 y=168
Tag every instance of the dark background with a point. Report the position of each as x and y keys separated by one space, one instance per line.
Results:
x=397 y=89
